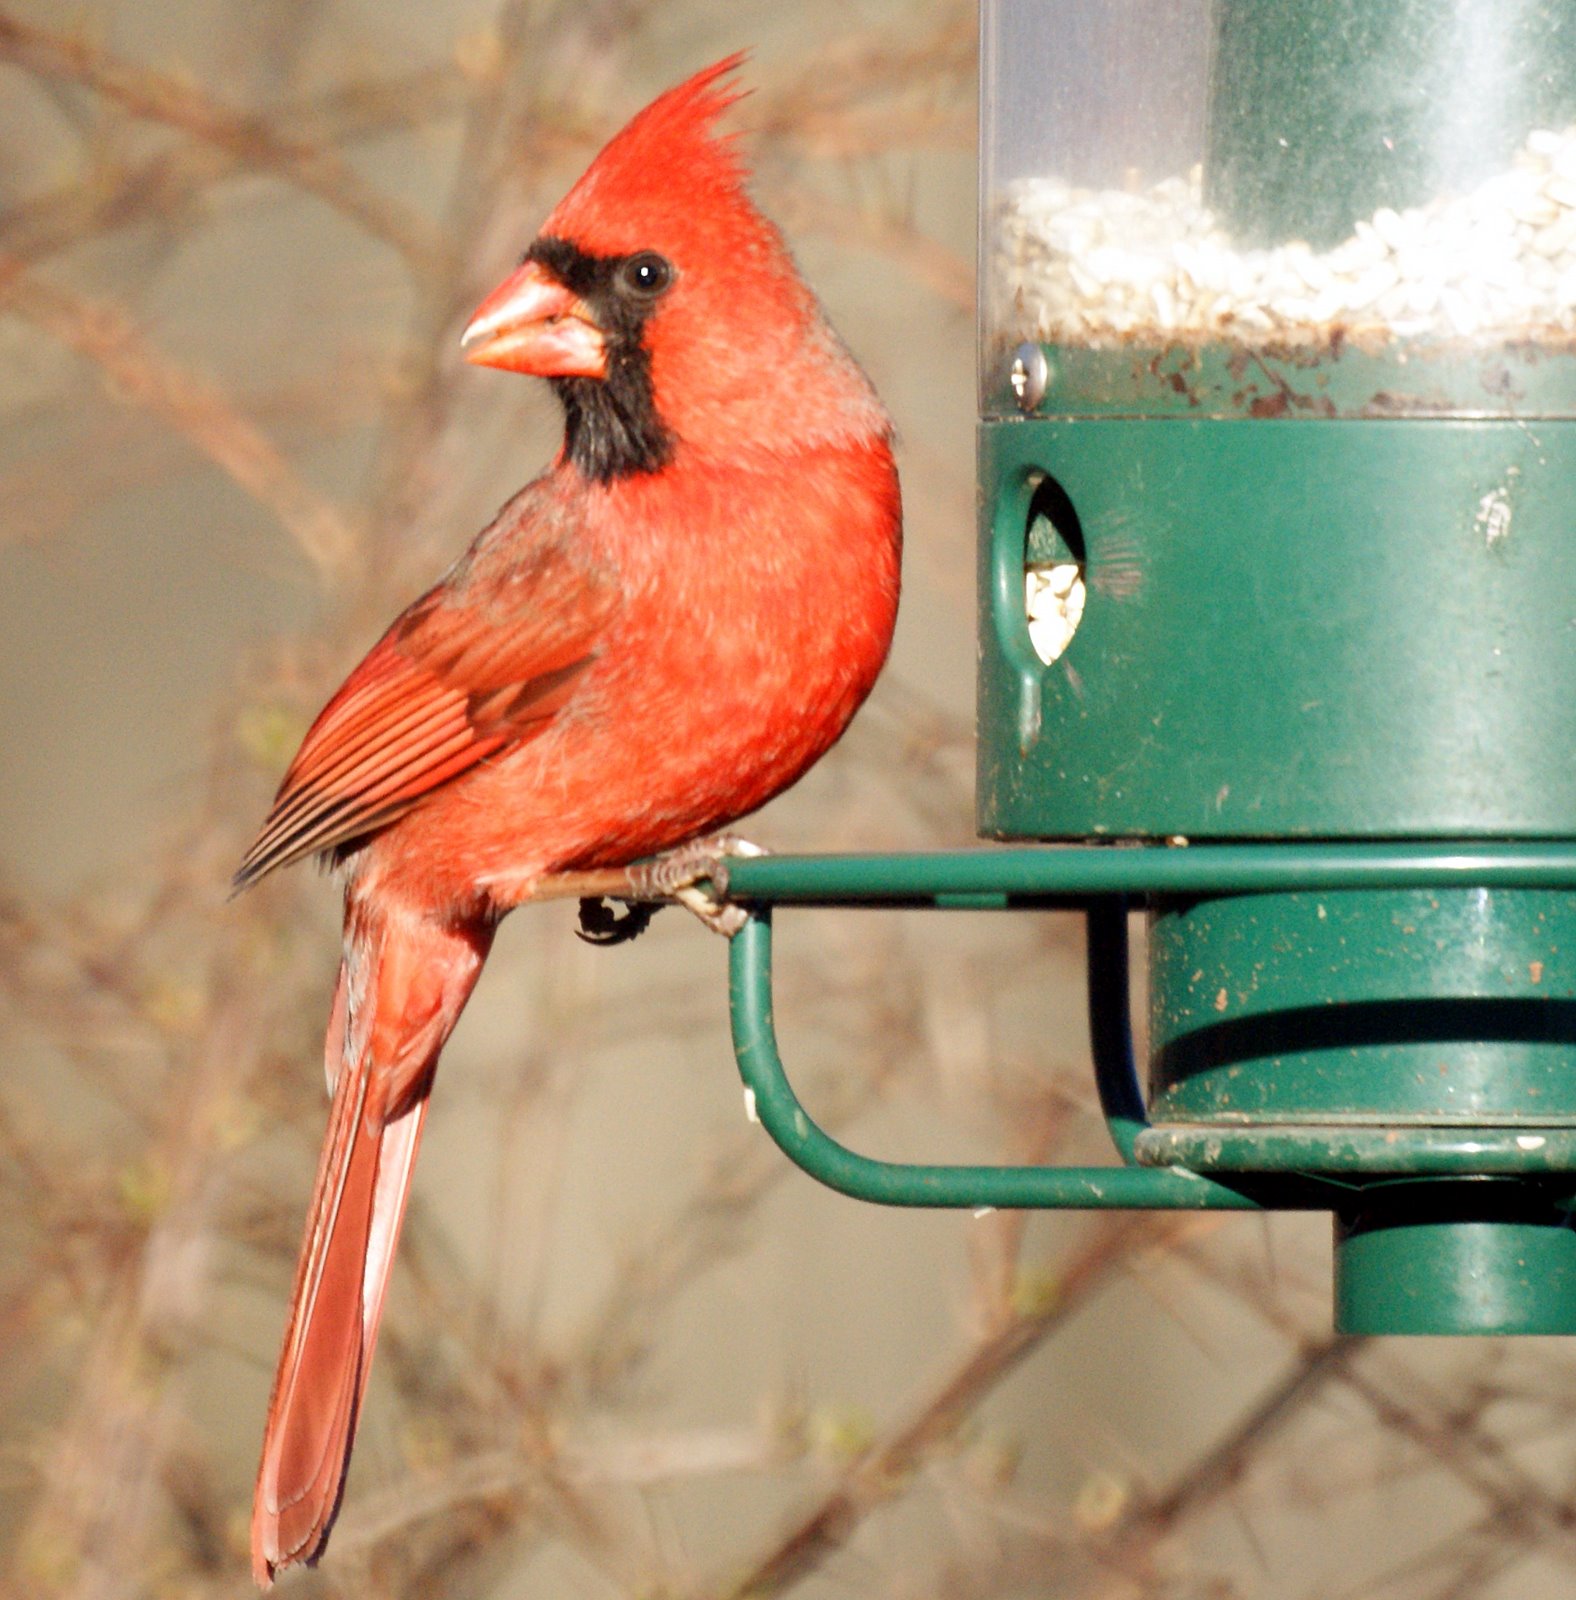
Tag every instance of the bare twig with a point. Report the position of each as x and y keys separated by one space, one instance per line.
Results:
x=146 y=92
x=190 y=405
x=159 y=186
x=881 y=1472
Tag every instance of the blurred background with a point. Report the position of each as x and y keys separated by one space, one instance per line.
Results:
x=629 y=1351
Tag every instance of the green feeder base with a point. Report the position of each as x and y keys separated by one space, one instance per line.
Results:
x=1300 y=630
x=1429 y=1108
x=1443 y=1008
x=1421 y=1265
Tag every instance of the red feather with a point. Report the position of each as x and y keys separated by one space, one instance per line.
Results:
x=620 y=204
x=629 y=657
x=451 y=683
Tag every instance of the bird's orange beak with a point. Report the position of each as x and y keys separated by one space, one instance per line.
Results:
x=531 y=323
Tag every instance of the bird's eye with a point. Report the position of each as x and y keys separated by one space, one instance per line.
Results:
x=646 y=275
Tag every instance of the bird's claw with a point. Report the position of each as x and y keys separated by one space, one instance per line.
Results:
x=679 y=875
x=608 y=922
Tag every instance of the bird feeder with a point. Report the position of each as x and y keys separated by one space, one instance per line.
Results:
x=1277 y=627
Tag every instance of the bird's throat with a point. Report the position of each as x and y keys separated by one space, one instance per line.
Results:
x=611 y=425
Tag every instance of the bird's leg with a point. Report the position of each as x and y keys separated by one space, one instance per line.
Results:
x=680 y=874
x=675 y=875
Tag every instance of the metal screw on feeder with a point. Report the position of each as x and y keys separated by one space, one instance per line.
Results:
x=1279 y=380
x=1029 y=375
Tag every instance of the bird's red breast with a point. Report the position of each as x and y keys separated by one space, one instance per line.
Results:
x=669 y=626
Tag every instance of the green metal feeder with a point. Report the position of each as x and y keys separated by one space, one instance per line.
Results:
x=1278 y=591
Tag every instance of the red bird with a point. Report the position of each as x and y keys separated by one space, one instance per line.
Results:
x=650 y=640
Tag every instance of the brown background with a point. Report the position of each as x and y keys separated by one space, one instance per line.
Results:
x=629 y=1351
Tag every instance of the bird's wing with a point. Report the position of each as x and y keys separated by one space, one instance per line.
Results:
x=469 y=670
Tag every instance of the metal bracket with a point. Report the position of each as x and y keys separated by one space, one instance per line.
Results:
x=1102 y=881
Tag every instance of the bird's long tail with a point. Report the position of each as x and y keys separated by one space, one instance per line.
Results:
x=402 y=986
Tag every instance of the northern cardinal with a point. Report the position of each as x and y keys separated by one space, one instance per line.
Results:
x=652 y=638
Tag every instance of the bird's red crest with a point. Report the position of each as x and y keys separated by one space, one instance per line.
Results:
x=666 y=166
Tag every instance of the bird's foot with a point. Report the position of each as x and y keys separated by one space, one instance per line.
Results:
x=604 y=921
x=688 y=875
x=617 y=903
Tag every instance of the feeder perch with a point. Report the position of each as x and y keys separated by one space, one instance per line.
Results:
x=1277 y=621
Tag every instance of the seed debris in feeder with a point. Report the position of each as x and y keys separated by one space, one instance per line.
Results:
x=1107 y=266
x=1054 y=602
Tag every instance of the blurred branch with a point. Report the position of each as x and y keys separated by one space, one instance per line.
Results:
x=943 y=271
x=414 y=425
x=161 y=185
x=1223 y=1466
x=195 y=408
x=863 y=95
x=1519 y=1507
x=640 y=1461
x=98 y=1514
x=148 y=93
x=882 y=1471
x=101 y=454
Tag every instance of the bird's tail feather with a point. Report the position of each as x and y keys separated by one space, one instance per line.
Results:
x=401 y=988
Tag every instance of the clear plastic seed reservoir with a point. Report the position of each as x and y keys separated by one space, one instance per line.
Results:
x=1278 y=400
x=1378 y=197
